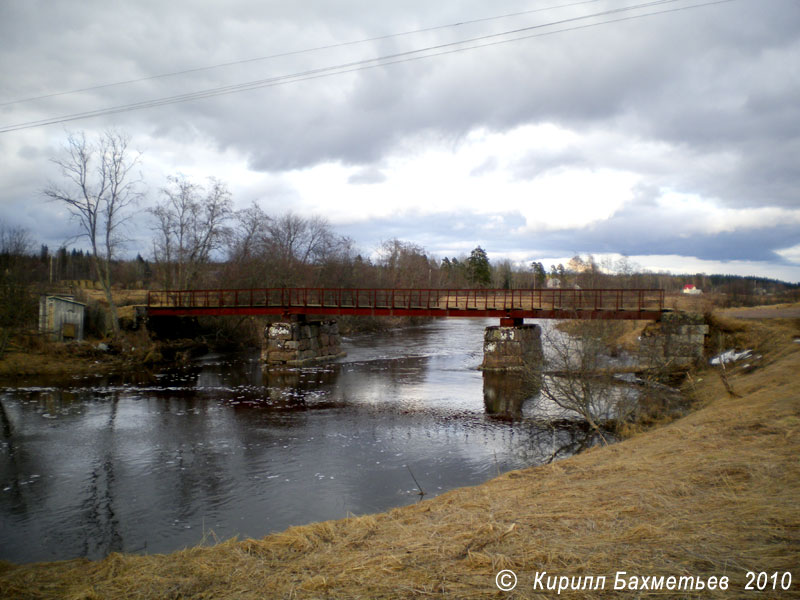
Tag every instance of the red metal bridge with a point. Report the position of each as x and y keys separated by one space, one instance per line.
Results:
x=511 y=306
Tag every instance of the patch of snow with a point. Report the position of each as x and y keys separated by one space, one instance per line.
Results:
x=730 y=356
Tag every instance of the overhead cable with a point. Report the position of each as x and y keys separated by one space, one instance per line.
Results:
x=372 y=63
x=292 y=53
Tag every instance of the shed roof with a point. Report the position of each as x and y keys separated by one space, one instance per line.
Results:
x=65 y=299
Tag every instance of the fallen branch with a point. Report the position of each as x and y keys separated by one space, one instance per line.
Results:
x=419 y=487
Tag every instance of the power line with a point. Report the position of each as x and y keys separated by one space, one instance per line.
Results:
x=408 y=56
x=292 y=53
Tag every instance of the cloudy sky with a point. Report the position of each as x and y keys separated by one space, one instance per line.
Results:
x=667 y=131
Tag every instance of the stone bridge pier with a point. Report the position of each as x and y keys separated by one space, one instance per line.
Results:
x=512 y=359
x=512 y=345
x=676 y=341
x=295 y=342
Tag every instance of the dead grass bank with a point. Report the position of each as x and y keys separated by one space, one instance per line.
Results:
x=714 y=493
x=57 y=361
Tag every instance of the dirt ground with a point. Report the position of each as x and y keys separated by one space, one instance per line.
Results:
x=714 y=494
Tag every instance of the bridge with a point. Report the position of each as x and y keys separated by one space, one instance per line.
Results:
x=296 y=341
x=511 y=306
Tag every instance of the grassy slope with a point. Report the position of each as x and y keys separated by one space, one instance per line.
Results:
x=714 y=493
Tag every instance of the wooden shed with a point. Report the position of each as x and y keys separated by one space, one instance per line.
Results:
x=62 y=317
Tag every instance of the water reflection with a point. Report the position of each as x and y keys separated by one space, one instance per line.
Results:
x=150 y=464
x=505 y=392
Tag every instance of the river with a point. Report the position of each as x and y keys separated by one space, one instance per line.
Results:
x=155 y=463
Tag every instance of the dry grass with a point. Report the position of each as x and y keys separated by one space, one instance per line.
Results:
x=56 y=360
x=121 y=297
x=700 y=304
x=619 y=335
x=39 y=357
x=769 y=311
x=714 y=493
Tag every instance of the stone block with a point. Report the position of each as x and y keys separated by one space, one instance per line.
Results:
x=500 y=362
x=280 y=331
x=491 y=334
x=508 y=334
x=683 y=349
x=682 y=361
x=682 y=318
x=280 y=357
x=275 y=344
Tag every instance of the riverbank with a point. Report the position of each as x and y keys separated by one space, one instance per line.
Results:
x=712 y=494
x=30 y=355
x=63 y=360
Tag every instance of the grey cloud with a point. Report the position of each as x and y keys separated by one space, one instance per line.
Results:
x=367 y=176
x=29 y=152
x=639 y=229
x=664 y=76
x=718 y=84
x=443 y=234
x=536 y=164
x=488 y=166
x=749 y=245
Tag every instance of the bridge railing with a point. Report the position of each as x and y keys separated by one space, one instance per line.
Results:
x=410 y=299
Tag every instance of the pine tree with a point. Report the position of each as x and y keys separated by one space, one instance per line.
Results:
x=478 y=270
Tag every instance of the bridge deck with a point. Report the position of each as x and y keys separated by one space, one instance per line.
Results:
x=516 y=304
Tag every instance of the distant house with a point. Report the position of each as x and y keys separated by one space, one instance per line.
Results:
x=555 y=283
x=62 y=317
x=691 y=289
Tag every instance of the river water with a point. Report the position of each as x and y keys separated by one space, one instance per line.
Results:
x=153 y=463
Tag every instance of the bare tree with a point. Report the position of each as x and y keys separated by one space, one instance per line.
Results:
x=252 y=227
x=295 y=245
x=99 y=190
x=300 y=239
x=191 y=224
x=15 y=241
x=578 y=377
x=16 y=303
x=246 y=266
x=404 y=264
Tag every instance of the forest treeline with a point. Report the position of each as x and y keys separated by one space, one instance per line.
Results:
x=293 y=251
x=250 y=249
